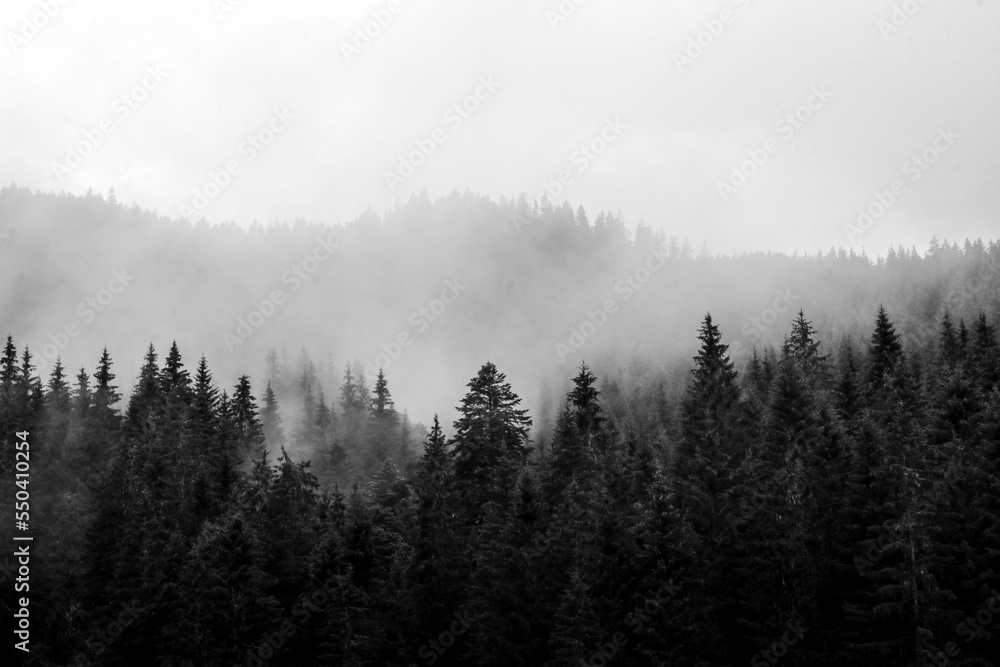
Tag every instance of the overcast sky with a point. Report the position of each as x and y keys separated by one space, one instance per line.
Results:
x=201 y=77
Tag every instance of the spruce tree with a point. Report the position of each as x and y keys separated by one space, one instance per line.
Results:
x=384 y=420
x=803 y=347
x=246 y=422
x=709 y=438
x=491 y=438
x=884 y=352
x=270 y=418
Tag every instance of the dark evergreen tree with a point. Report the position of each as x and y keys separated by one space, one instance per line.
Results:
x=247 y=428
x=384 y=433
x=709 y=439
x=803 y=347
x=270 y=418
x=884 y=352
x=491 y=439
x=222 y=614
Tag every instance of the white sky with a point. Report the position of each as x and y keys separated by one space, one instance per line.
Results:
x=686 y=130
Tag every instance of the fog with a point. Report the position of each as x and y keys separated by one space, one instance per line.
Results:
x=500 y=332
x=429 y=292
x=243 y=142
x=697 y=89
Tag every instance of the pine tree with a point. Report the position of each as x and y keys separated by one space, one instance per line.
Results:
x=246 y=423
x=205 y=402
x=10 y=416
x=58 y=397
x=102 y=423
x=81 y=394
x=209 y=450
x=884 y=352
x=438 y=568
x=273 y=372
x=287 y=519
x=347 y=454
x=384 y=418
x=222 y=613
x=585 y=400
x=708 y=439
x=948 y=347
x=325 y=421
x=270 y=418
x=434 y=469
x=9 y=370
x=567 y=458
x=803 y=347
x=897 y=610
x=173 y=377
x=985 y=354
x=145 y=405
x=106 y=395
x=770 y=554
x=848 y=397
x=491 y=438
x=578 y=630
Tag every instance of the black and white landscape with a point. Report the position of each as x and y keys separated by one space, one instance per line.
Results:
x=555 y=332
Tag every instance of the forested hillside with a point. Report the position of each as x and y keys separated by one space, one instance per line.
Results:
x=750 y=459
x=527 y=283
x=818 y=509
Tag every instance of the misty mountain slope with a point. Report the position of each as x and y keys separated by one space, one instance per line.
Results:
x=534 y=289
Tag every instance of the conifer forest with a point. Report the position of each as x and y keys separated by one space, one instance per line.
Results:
x=809 y=499
x=503 y=333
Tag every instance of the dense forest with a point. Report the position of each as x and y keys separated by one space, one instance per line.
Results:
x=815 y=484
x=813 y=509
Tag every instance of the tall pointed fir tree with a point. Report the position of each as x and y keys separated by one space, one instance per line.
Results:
x=709 y=436
x=270 y=419
x=884 y=352
x=246 y=421
x=384 y=432
x=491 y=439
